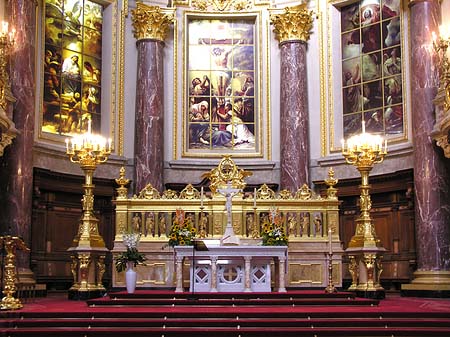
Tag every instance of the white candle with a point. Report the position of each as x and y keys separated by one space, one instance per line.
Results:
x=330 y=242
x=254 y=198
x=201 y=197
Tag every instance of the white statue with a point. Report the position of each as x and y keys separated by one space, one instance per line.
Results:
x=229 y=238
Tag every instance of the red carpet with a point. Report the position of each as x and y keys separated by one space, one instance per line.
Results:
x=393 y=316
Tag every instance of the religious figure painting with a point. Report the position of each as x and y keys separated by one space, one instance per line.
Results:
x=371 y=54
x=221 y=76
x=72 y=66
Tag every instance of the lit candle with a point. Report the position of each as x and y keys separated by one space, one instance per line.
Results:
x=363 y=127
x=67 y=144
x=201 y=197
x=89 y=126
x=254 y=198
x=330 y=242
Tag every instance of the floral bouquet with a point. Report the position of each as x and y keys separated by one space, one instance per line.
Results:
x=183 y=231
x=273 y=231
x=132 y=254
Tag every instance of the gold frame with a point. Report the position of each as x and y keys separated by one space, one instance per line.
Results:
x=260 y=133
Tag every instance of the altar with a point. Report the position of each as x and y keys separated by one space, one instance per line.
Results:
x=243 y=268
x=233 y=222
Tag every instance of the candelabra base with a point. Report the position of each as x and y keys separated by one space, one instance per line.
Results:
x=375 y=294
x=79 y=295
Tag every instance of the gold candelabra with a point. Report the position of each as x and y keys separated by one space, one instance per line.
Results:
x=88 y=150
x=6 y=45
x=10 y=244
x=364 y=151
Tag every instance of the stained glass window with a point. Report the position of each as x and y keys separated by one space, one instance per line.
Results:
x=221 y=77
x=72 y=66
x=372 y=67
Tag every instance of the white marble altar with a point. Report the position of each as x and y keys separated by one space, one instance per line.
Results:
x=232 y=268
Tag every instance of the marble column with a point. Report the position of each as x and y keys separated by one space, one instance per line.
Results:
x=17 y=164
x=151 y=25
x=431 y=173
x=292 y=31
x=294 y=119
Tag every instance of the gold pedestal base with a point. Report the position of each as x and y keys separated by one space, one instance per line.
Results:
x=88 y=267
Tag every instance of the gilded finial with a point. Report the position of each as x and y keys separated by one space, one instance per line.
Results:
x=122 y=182
x=331 y=181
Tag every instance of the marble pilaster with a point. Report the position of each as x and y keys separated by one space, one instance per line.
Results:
x=17 y=166
x=294 y=121
x=431 y=174
x=149 y=127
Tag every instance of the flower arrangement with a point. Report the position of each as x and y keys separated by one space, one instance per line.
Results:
x=132 y=254
x=273 y=231
x=183 y=230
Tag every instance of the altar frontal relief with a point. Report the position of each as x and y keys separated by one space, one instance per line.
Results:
x=221 y=101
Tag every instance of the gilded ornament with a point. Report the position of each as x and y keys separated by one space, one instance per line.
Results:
x=294 y=24
x=150 y=22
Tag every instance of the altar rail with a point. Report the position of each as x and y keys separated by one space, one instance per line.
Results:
x=307 y=218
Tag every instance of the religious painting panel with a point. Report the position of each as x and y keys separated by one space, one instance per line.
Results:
x=372 y=72
x=222 y=112
x=71 y=66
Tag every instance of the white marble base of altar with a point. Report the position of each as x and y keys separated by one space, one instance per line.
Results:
x=231 y=268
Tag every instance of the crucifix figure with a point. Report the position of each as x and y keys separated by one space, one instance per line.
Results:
x=229 y=238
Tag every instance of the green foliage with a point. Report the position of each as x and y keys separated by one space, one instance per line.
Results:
x=130 y=255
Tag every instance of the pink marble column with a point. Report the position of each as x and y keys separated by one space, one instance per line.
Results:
x=431 y=177
x=294 y=116
x=149 y=139
x=17 y=166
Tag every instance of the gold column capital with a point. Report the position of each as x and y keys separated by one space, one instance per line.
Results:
x=294 y=24
x=151 y=22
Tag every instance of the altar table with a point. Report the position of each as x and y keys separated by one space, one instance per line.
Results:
x=231 y=268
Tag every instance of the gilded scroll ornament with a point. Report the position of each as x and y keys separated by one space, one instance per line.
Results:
x=150 y=22
x=221 y=5
x=294 y=24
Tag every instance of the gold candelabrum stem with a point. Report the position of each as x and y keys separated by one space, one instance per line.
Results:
x=364 y=151
x=88 y=247
x=88 y=151
x=11 y=244
x=330 y=286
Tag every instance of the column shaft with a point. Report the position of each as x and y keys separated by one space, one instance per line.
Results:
x=17 y=171
x=431 y=176
x=294 y=116
x=149 y=139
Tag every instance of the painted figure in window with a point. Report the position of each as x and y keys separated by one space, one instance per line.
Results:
x=239 y=130
x=199 y=113
x=392 y=64
x=71 y=75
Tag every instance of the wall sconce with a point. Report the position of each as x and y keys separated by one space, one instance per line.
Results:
x=441 y=130
x=6 y=45
x=441 y=44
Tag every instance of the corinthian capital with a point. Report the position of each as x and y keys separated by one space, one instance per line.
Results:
x=150 y=22
x=294 y=24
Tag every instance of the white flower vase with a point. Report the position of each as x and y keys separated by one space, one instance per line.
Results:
x=130 y=278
